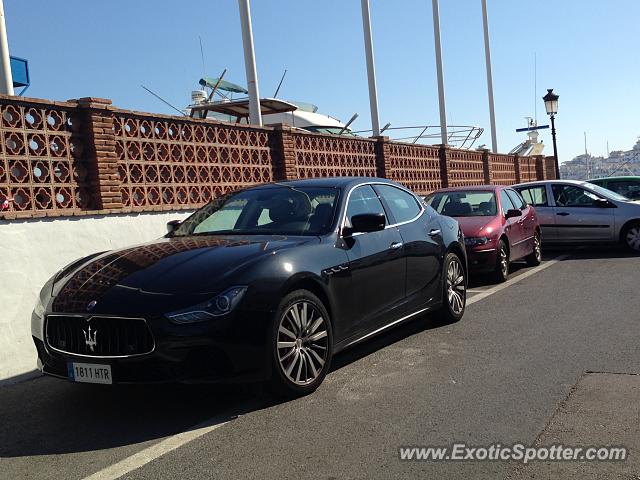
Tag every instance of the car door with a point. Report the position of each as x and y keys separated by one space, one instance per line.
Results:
x=577 y=215
x=513 y=227
x=537 y=196
x=376 y=262
x=527 y=221
x=422 y=243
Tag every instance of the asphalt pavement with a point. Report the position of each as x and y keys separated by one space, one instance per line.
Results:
x=505 y=373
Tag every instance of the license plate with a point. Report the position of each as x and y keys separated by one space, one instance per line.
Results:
x=89 y=373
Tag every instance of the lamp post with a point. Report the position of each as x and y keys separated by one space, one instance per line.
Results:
x=551 y=106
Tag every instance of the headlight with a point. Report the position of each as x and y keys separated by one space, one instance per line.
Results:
x=216 y=307
x=473 y=241
x=39 y=308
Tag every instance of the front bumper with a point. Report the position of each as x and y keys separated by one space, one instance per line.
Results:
x=482 y=258
x=225 y=350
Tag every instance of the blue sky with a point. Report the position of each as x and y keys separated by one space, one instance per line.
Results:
x=586 y=50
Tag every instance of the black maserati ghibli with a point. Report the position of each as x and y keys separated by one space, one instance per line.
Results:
x=262 y=284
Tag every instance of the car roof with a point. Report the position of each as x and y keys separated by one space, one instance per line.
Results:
x=544 y=182
x=472 y=187
x=621 y=177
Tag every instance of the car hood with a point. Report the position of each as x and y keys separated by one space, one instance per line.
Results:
x=476 y=226
x=168 y=266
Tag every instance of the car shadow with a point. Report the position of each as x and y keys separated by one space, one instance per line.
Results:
x=45 y=416
x=49 y=416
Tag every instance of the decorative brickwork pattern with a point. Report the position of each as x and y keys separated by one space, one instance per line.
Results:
x=331 y=156
x=465 y=168
x=415 y=166
x=528 y=169
x=86 y=156
x=503 y=171
x=41 y=169
x=169 y=162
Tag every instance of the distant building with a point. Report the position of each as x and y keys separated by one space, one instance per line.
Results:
x=618 y=162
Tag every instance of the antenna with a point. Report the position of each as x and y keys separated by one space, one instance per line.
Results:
x=204 y=70
x=164 y=101
x=351 y=120
x=215 y=87
x=275 y=95
x=535 y=86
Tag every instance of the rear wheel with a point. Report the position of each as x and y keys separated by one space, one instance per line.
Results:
x=535 y=258
x=502 y=262
x=631 y=237
x=454 y=290
x=302 y=342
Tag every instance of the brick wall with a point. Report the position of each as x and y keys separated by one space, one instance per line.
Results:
x=85 y=157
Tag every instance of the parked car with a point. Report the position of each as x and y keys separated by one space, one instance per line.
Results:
x=265 y=283
x=580 y=212
x=626 y=186
x=499 y=226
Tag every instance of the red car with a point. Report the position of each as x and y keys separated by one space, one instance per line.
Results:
x=498 y=225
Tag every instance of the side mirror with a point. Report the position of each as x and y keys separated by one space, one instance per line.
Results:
x=367 y=222
x=173 y=225
x=603 y=203
x=513 y=213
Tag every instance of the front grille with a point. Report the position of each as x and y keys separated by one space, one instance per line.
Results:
x=96 y=336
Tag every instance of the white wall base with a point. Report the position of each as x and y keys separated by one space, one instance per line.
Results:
x=31 y=251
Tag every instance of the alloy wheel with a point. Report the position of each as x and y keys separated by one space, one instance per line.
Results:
x=633 y=238
x=504 y=261
x=537 y=249
x=302 y=343
x=456 y=286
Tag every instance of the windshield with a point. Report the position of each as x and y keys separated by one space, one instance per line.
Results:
x=282 y=210
x=607 y=193
x=464 y=203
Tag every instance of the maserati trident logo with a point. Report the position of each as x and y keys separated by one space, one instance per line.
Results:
x=91 y=304
x=89 y=340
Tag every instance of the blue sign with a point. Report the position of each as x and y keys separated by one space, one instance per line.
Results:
x=528 y=129
x=20 y=73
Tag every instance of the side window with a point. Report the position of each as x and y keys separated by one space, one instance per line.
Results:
x=536 y=196
x=516 y=199
x=507 y=204
x=626 y=188
x=572 y=196
x=403 y=205
x=363 y=200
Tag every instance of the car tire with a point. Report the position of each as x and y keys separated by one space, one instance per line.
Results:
x=630 y=237
x=301 y=344
x=501 y=272
x=535 y=258
x=454 y=291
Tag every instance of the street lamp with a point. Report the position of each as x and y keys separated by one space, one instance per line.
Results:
x=551 y=106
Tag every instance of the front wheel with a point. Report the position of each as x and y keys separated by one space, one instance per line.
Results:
x=301 y=344
x=454 y=290
x=502 y=262
x=535 y=258
x=631 y=237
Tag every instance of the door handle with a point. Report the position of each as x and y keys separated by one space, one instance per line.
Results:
x=434 y=232
x=562 y=214
x=396 y=245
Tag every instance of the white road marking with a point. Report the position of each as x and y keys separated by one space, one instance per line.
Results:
x=149 y=454
x=486 y=293
x=176 y=441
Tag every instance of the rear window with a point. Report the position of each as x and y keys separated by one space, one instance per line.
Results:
x=477 y=203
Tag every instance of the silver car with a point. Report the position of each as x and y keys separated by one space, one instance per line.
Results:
x=580 y=212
